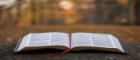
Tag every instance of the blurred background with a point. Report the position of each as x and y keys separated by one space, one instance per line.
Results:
x=118 y=17
x=24 y=13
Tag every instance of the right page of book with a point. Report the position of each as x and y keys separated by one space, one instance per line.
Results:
x=102 y=40
x=81 y=39
x=106 y=41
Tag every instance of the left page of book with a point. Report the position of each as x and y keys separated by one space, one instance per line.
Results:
x=59 y=39
x=35 y=40
x=39 y=39
x=43 y=40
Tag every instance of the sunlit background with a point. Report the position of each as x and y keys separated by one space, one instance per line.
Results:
x=24 y=13
x=117 y=17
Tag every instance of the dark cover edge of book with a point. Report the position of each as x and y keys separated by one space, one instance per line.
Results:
x=123 y=45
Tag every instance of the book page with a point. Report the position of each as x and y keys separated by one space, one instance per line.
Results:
x=40 y=39
x=116 y=43
x=81 y=39
x=49 y=39
x=60 y=39
x=102 y=40
x=22 y=43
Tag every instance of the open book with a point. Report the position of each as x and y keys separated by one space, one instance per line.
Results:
x=74 y=41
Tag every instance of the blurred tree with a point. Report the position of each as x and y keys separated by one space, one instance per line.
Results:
x=138 y=12
x=69 y=11
x=122 y=2
x=25 y=14
x=39 y=12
